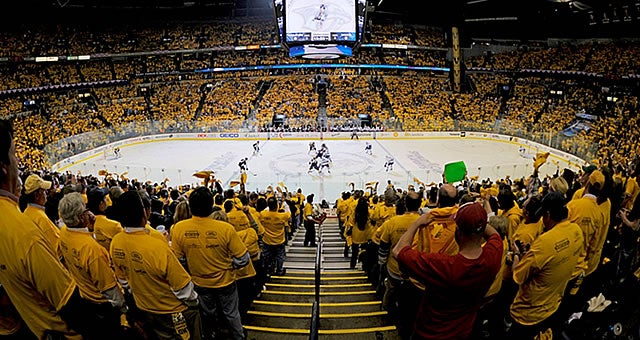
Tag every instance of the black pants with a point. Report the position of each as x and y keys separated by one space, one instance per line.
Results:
x=523 y=332
x=98 y=321
x=309 y=233
x=355 y=250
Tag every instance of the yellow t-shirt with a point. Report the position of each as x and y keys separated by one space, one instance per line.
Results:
x=601 y=237
x=209 y=246
x=585 y=213
x=594 y=221
x=49 y=230
x=632 y=189
x=300 y=201
x=36 y=282
x=105 y=229
x=342 y=209
x=361 y=236
x=514 y=214
x=578 y=194
x=238 y=219
x=528 y=232
x=543 y=273
x=152 y=270
x=275 y=223
x=376 y=234
x=392 y=230
x=497 y=282
x=351 y=212
x=382 y=212
x=250 y=239
x=256 y=216
x=88 y=262
x=307 y=211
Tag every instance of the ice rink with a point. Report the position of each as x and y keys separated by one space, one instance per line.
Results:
x=287 y=161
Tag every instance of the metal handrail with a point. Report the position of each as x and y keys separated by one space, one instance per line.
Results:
x=315 y=312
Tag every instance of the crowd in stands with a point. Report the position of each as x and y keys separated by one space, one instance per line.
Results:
x=548 y=245
x=162 y=92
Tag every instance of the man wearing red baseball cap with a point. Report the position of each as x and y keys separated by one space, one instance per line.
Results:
x=456 y=283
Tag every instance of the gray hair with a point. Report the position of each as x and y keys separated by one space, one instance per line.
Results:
x=219 y=215
x=115 y=192
x=70 y=209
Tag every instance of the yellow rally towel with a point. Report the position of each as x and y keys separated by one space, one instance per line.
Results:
x=203 y=174
x=539 y=159
x=243 y=178
x=492 y=191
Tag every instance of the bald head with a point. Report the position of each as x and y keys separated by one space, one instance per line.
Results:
x=447 y=196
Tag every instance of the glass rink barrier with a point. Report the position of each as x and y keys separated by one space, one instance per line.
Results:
x=323 y=163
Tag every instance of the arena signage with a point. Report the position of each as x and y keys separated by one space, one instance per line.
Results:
x=229 y=135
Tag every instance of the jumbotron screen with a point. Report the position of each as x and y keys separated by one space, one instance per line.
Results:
x=320 y=21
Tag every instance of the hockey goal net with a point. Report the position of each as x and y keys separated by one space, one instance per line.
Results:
x=110 y=153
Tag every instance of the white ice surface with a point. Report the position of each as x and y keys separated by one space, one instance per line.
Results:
x=287 y=161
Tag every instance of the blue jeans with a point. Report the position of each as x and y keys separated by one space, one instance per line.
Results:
x=273 y=256
x=223 y=301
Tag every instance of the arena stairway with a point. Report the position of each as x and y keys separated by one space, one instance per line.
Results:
x=349 y=308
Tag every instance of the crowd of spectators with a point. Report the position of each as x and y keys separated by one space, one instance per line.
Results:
x=163 y=91
x=163 y=88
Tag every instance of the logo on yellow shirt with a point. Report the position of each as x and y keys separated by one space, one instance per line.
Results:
x=562 y=245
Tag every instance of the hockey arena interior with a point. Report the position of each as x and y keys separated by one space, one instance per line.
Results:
x=319 y=169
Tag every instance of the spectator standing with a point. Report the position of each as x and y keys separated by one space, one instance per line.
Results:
x=149 y=270
x=543 y=271
x=275 y=224
x=90 y=265
x=456 y=284
x=35 y=191
x=361 y=229
x=396 y=282
x=104 y=229
x=43 y=292
x=591 y=212
x=309 y=223
x=211 y=261
x=246 y=277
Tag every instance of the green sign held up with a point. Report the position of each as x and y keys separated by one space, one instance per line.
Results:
x=455 y=171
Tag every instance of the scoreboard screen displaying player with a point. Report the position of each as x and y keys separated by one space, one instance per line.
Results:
x=320 y=21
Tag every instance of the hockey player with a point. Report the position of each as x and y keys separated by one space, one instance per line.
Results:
x=312 y=147
x=324 y=163
x=368 y=148
x=313 y=165
x=243 y=164
x=323 y=149
x=116 y=151
x=354 y=134
x=256 y=147
x=327 y=155
x=388 y=165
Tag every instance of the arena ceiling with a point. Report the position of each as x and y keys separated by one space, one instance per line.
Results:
x=495 y=18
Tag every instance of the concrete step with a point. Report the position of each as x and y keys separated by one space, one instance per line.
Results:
x=380 y=333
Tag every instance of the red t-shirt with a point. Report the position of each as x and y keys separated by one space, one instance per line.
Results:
x=455 y=287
